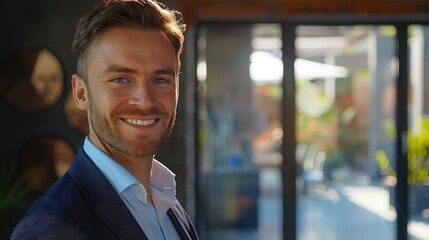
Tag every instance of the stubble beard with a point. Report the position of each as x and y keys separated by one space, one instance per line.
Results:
x=106 y=133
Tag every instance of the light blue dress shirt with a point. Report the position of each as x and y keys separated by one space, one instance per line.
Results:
x=153 y=219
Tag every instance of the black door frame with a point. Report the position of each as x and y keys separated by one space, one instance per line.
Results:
x=289 y=165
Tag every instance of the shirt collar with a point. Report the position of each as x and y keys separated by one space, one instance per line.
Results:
x=162 y=182
x=163 y=188
x=117 y=175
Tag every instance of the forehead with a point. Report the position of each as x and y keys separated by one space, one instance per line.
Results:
x=132 y=45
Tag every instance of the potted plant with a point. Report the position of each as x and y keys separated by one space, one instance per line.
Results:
x=418 y=165
x=12 y=192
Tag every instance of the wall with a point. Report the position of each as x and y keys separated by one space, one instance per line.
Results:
x=51 y=24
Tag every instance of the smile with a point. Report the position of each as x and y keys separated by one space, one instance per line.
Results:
x=140 y=122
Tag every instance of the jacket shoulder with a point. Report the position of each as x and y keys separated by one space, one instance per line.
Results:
x=59 y=212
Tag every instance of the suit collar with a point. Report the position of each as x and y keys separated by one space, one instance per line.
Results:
x=181 y=222
x=108 y=205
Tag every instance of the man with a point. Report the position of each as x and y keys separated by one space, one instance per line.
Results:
x=127 y=80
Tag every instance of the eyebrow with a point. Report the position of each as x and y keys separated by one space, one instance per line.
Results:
x=118 y=69
x=122 y=69
x=166 y=71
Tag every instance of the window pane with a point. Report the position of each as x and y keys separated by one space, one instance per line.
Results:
x=345 y=97
x=240 y=72
x=418 y=135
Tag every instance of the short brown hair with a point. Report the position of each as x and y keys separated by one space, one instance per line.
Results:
x=143 y=14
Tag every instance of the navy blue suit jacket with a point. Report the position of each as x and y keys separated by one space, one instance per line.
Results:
x=84 y=205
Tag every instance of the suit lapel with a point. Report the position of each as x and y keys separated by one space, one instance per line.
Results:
x=117 y=216
x=181 y=223
x=108 y=204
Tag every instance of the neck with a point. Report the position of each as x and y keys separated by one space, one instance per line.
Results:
x=141 y=169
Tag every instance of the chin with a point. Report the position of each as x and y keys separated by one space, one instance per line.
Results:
x=144 y=148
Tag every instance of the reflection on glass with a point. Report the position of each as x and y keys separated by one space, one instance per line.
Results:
x=31 y=80
x=240 y=72
x=45 y=159
x=418 y=135
x=345 y=96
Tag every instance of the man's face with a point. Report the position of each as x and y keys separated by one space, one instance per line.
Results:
x=131 y=91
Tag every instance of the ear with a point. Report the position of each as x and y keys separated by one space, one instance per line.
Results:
x=80 y=92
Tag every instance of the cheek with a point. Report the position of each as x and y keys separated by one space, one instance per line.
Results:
x=170 y=100
x=105 y=100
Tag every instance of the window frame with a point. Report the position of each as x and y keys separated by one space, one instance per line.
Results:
x=288 y=167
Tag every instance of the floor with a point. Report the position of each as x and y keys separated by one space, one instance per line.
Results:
x=332 y=213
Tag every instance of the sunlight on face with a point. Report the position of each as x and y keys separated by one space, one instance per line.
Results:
x=132 y=91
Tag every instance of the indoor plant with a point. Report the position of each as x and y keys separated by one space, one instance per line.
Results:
x=418 y=165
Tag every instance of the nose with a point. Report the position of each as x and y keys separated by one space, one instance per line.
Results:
x=142 y=97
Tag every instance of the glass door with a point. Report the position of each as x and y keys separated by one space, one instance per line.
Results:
x=345 y=124
x=240 y=73
x=418 y=133
x=344 y=105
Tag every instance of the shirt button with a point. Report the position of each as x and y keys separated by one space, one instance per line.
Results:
x=139 y=192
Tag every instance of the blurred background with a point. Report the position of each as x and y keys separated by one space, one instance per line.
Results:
x=300 y=119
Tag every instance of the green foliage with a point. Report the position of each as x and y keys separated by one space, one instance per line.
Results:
x=384 y=164
x=418 y=146
x=12 y=190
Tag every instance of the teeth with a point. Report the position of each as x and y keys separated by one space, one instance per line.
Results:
x=140 y=122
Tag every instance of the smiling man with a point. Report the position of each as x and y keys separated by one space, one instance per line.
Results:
x=128 y=61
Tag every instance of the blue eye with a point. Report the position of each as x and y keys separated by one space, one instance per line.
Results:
x=120 y=80
x=161 y=80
